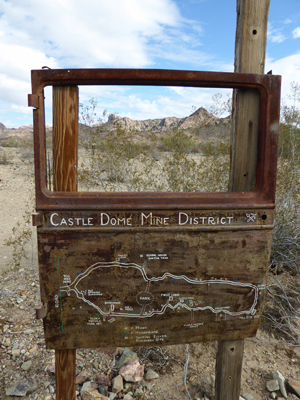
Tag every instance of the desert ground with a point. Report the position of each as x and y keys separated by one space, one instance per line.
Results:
x=24 y=358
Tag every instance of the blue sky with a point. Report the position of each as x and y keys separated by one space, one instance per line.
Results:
x=174 y=34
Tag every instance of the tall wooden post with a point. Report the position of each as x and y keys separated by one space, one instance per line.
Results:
x=65 y=161
x=250 y=49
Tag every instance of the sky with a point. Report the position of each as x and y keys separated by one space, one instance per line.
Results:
x=167 y=34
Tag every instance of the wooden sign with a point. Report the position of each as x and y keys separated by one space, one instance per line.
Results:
x=132 y=269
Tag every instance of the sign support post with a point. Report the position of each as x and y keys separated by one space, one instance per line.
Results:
x=65 y=160
x=250 y=49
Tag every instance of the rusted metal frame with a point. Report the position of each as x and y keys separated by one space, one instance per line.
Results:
x=261 y=197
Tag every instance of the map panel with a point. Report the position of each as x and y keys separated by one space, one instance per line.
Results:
x=148 y=288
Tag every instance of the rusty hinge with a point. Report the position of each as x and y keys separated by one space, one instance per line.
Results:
x=37 y=219
x=33 y=100
x=41 y=312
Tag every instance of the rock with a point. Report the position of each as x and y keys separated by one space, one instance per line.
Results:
x=29 y=331
x=274 y=395
x=51 y=369
x=26 y=365
x=117 y=384
x=18 y=389
x=128 y=396
x=150 y=375
x=132 y=371
x=127 y=356
x=293 y=387
x=87 y=387
x=103 y=389
x=248 y=396
x=139 y=391
x=208 y=385
x=93 y=395
x=112 y=395
x=51 y=389
x=281 y=380
x=33 y=387
x=103 y=379
x=272 y=385
x=127 y=386
x=82 y=377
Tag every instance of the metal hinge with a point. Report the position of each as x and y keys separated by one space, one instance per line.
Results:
x=33 y=100
x=37 y=219
x=41 y=313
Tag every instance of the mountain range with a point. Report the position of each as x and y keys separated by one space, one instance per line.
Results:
x=200 y=121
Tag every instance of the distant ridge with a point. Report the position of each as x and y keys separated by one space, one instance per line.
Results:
x=201 y=120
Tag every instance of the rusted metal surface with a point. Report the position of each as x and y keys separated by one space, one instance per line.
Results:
x=143 y=268
x=264 y=192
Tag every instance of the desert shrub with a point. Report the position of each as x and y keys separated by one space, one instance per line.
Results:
x=22 y=239
x=282 y=314
x=4 y=159
x=216 y=148
x=286 y=237
x=120 y=161
x=178 y=141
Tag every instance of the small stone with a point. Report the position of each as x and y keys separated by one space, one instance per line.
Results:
x=128 y=396
x=18 y=389
x=112 y=395
x=248 y=396
x=127 y=356
x=26 y=365
x=51 y=369
x=150 y=375
x=293 y=386
x=28 y=331
x=127 y=386
x=281 y=380
x=51 y=389
x=139 y=391
x=274 y=395
x=88 y=386
x=16 y=352
x=79 y=380
x=272 y=385
x=93 y=395
x=82 y=377
x=133 y=371
x=117 y=384
x=96 y=364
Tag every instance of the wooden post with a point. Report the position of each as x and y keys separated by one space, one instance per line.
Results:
x=65 y=161
x=250 y=49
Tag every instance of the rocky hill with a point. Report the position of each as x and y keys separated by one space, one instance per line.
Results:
x=200 y=123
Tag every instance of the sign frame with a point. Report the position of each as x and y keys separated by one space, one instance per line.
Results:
x=193 y=237
x=262 y=195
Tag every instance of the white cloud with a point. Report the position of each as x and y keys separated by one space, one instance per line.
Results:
x=296 y=33
x=288 y=68
x=275 y=35
x=90 y=34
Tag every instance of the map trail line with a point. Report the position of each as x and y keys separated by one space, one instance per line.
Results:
x=72 y=287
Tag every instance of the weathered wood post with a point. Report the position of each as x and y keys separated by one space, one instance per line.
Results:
x=65 y=161
x=250 y=49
